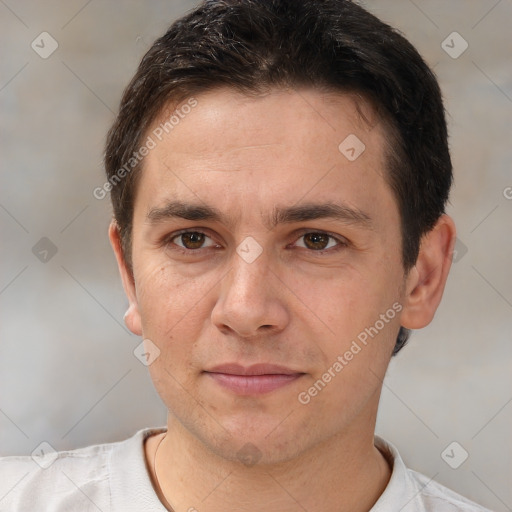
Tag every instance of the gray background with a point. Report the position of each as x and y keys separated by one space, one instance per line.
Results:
x=68 y=375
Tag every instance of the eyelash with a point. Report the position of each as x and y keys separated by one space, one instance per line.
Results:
x=168 y=241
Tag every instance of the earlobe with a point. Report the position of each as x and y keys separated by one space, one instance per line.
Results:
x=426 y=280
x=132 y=317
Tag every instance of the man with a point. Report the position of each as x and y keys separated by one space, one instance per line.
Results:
x=279 y=172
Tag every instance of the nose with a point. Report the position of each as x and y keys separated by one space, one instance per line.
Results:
x=251 y=301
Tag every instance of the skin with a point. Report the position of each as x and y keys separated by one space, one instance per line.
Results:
x=290 y=306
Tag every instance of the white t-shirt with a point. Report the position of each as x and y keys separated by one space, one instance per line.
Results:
x=114 y=478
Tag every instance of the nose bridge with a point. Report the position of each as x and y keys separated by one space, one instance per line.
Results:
x=249 y=269
x=247 y=300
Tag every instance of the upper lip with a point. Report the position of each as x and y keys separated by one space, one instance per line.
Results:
x=255 y=369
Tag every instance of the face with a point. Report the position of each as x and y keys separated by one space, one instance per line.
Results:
x=258 y=239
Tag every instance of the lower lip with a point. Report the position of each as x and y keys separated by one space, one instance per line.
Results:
x=253 y=384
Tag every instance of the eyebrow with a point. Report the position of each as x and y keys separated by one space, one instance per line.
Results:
x=280 y=215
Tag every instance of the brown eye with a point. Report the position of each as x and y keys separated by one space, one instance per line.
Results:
x=191 y=240
x=316 y=241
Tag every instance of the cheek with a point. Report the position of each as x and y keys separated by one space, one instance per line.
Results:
x=173 y=313
x=155 y=289
x=341 y=299
x=159 y=290
x=358 y=307
x=171 y=305
x=356 y=357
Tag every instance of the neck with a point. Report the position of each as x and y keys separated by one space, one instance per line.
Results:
x=344 y=473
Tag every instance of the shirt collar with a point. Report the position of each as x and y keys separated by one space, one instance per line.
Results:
x=130 y=485
x=402 y=493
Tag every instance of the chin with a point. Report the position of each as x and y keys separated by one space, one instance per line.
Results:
x=261 y=443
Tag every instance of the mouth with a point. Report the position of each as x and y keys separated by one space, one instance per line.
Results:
x=252 y=380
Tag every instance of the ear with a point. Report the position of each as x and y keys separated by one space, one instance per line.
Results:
x=426 y=281
x=132 y=317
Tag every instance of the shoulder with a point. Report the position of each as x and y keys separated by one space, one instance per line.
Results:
x=410 y=491
x=438 y=497
x=80 y=479
x=56 y=479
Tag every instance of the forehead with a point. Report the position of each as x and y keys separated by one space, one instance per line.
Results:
x=330 y=113
x=296 y=143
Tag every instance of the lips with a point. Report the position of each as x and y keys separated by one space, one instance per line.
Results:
x=254 y=379
x=255 y=369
